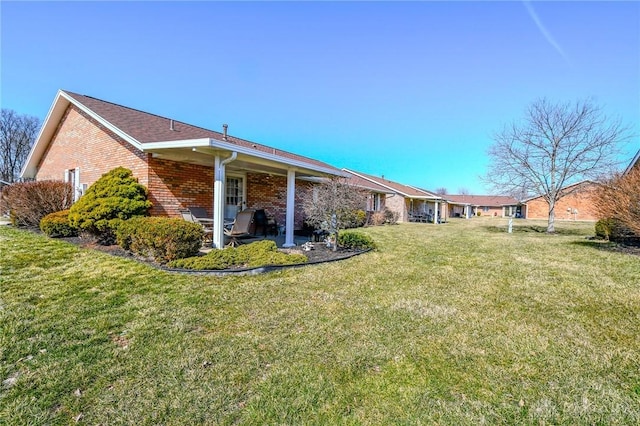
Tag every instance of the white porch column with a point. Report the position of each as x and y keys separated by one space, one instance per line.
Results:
x=436 y=213
x=218 y=204
x=291 y=201
x=218 y=198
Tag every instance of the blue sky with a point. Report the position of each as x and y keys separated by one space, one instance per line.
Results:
x=411 y=90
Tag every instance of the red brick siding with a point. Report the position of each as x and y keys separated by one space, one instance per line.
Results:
x=175 y=185
x=270 y=193
x=396 y=203
x=493 y=211
x=82 y=142
x=581 y=200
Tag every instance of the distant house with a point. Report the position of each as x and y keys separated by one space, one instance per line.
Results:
x=412 y=204
x=376 y=194
x=484 y=205
x=575 y=204
x=182 y=165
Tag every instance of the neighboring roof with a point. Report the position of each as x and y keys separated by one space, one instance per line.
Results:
x=483 y=200
x=567 y=189
x=633 y=162
x=395 y=187
x=148 y=131
x=363 y=183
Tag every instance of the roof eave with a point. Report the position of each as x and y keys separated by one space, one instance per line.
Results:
x=56 y=111
x=228 y=146
x=393 y=190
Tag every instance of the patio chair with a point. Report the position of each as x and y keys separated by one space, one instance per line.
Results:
x=207 y=224
x=243 y=227
x=199 y=213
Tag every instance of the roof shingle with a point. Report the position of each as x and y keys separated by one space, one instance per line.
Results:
x=145 y=127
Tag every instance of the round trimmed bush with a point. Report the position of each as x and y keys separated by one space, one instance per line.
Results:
x=57 y=225
x=355 y=240
x=115 y=197
x=161 y=238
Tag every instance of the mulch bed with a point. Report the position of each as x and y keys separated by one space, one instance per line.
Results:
x=319 y=254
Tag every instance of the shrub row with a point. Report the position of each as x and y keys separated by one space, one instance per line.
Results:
x=384 y=217
x=259 y=253
x=161 y=238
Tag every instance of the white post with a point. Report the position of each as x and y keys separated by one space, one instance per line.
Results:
x=436 y=213
x=510 y=225
x=291 y=200
x=218 y=204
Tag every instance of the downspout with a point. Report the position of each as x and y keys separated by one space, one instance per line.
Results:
x=218 y=199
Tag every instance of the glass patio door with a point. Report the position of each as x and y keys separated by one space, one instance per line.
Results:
x=234 y=198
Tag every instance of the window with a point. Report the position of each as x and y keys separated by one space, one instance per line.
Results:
x=376 y=202
x=73 y=177
x=485 y=208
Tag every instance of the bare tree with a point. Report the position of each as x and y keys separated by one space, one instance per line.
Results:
x=442 y=191
x=17 y=134
x=331 y=206
x=463 y=191
x=618 y=198
x=556 y=145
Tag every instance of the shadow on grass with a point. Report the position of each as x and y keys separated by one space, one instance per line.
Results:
x=609 y=246
x=534 y=229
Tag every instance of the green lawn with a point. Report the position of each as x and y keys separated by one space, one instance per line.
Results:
x=459 y=323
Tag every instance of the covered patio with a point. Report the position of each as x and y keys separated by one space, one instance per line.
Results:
x=245 y=177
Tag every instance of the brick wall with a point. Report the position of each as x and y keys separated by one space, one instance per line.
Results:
x=581 y=200
x=175 y=185
x=270 y=193
x=492 y=211
x=81 y=142
x=397 y=203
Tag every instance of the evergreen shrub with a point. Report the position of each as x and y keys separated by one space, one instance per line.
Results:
x=115 y=197
x=161 y=238
x=355 y=240
x=57 y=225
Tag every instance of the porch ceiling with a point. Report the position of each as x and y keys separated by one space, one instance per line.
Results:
x=204 y=156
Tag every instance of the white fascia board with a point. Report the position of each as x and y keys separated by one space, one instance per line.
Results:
x=429 y=194
x=185 y=143
x=214 y=143
x=56 y=110
x=393 y=190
